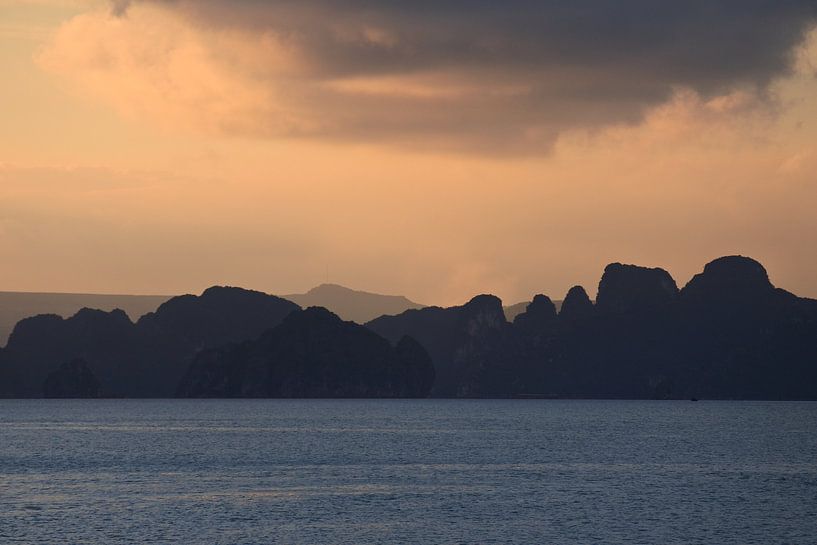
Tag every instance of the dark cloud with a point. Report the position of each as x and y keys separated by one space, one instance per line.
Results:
x=524 y=70
x=119 y=7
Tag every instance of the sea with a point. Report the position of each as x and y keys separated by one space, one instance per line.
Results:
x=408 y=471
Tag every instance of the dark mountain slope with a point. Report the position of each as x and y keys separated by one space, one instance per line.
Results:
x=313 y=353
x=15 y=306
x=472 y=346
x=145 y=359
x=728 y=334
x=73 y=379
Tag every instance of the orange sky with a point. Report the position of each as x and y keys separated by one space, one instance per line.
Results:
x=157 y=151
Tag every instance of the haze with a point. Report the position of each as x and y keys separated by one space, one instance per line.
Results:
x=431 y=149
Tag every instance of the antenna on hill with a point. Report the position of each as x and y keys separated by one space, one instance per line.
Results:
x=327 y=274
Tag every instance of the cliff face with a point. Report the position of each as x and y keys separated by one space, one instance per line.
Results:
x=627 y=288
x=313 y=353
x=145 y=359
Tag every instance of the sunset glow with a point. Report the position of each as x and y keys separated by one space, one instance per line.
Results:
x=162 y=147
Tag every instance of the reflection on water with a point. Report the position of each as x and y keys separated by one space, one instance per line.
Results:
x=500 y=471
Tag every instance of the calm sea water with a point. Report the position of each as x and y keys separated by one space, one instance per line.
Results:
x=431 y=471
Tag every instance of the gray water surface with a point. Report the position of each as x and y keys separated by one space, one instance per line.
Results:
x=400 y=471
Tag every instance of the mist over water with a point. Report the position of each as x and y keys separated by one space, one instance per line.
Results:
x=407 y=471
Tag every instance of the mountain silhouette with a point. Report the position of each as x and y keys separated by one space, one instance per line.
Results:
x=14 y=306
x=142 y=359
x=538 y=316
x=728 y=333
x=577 y=305
x=512 y=311
x=469 y=344
x=627 y=288
x=313 y=353
x=357 y=306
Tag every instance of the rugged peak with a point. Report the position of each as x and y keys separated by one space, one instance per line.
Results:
x=215 y=292
x=577 y=304
x=483 y=311
x=624 y=288
x=487 y=305
x=92 y=315
x=538 y=315
x=729 y=278
x=542 y=305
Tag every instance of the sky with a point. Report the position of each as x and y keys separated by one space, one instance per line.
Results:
x=435 y=149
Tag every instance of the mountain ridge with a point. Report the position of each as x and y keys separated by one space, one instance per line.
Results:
x=17 y=305
x=729 y=333
x=356 y=305
x=350 y=304
x=145 y=358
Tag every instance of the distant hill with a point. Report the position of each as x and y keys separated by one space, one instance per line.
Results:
x=14 y=306
x=354 y=305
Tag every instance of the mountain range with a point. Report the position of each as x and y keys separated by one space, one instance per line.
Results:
x=14 y=306
x=146 y=358
x=355 y=305
x=729 y=333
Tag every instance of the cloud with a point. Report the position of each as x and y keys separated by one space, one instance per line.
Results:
x=469 y=74
x=696 y=178
x=119 y=7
